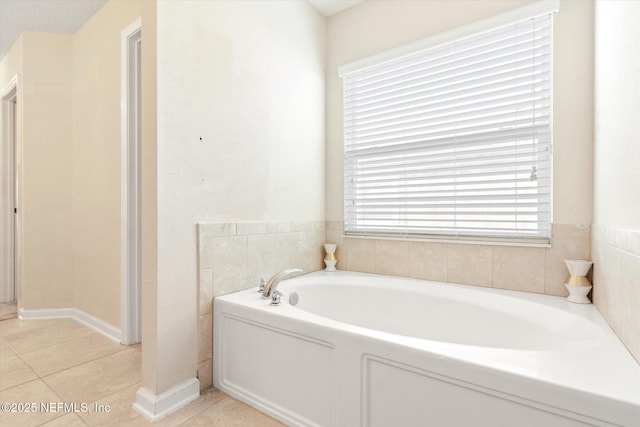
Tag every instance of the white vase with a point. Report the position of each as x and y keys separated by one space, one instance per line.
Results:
x=577 y=283
x=330 y=260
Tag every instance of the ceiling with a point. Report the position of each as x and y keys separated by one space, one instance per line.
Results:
x=55 y=16
x=330 y=7
x=67 y=16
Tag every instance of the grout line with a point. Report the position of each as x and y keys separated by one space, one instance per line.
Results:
x=62 y=341
x=123 y=348
x=221 y=395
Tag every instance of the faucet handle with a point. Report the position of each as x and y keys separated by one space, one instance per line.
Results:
x=263 y=283
x=275 y=298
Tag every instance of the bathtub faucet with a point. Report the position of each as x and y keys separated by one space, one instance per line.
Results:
x=272 y=284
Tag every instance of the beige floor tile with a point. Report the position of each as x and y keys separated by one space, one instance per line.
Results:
x=119 y=412
x=13 y=372
x=97 y=379
x=67 y=354
x=231 y=412
x=206 y=400
x=137 y=347
x=69 y=420
x=34 y=391
x=12 y=326
x=5 y=350
x=49 y=334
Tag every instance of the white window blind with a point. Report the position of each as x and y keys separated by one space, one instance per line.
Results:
x=453 y=141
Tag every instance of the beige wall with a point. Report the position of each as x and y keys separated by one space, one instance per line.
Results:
x=616 y=229
x=149 y=198
x=46 y=172
x=375 y=26
x=97 y=171
x=42 y=61
x=240 y=137
x=96 y=159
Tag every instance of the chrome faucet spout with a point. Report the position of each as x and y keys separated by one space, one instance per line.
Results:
x=272 y=284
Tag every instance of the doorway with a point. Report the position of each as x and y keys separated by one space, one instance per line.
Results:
x=9 y=280
x=131 y=119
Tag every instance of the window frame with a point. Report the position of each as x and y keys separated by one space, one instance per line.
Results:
x=508 y=18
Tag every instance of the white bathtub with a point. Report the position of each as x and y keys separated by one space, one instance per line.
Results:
x=368 y=350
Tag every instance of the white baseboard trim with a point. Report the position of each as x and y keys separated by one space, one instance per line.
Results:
x=85 y=319
x=154 y=407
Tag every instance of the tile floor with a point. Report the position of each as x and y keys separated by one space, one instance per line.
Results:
x=59 y=360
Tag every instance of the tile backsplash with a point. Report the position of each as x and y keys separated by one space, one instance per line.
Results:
x=616 y=281
x=529 y=269
x=233 y=256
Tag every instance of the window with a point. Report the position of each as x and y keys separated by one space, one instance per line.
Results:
x=453 y=141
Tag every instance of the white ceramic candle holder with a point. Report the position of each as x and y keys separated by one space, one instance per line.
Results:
x=577 y=283
x=330 y=259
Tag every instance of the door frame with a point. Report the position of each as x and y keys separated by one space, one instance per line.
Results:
x=10 y=221
x=130 y=107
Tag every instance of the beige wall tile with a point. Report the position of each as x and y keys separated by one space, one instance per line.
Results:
x=606 y=279
x=518 y=268
x=205 y=374
x=335 y=236
x=205 y=337
x=286 y=250
x=599 y=295
x=428 y=261
x=217 y=229
x=229 y=264
x=392 y=257
x=319 y=225
x=335 y=225
x=627 y=302
x=310 y=250
x=556 y=272
x=469 y=264
x=261 y=257
x=361 y=255
x=302 y=225
x=596 y=232
x=571 y=230
x=634 y=242
x=205 y=252
x=278 y=227
x=205 y=298
x=251 y=227
x=618 y=238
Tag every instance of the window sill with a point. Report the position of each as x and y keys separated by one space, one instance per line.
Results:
x=480 y=241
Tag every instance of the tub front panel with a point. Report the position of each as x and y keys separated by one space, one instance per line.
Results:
x=279 y=369
x=402 y=395
x=308 y=370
